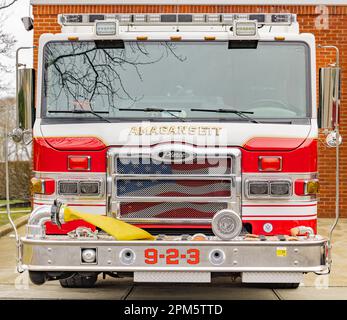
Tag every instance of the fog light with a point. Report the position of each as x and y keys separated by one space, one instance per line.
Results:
x=226 y=224
x=88 y=255
x=127 y=256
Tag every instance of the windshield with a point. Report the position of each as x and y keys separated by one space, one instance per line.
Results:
x=269 y=82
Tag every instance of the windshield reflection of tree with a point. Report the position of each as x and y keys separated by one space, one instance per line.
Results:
x=81 y=71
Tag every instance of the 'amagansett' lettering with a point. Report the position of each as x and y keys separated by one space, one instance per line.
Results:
x=174 y=130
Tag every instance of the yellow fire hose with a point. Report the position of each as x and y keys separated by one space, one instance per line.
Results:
x=118 y=229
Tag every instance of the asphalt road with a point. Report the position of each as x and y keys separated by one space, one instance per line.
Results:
x=333 y=286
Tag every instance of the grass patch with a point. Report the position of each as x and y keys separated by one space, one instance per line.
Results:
x=3 y=215
x=3 y=202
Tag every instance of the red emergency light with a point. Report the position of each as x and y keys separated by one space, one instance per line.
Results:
x=78 y=163
x=270 y=163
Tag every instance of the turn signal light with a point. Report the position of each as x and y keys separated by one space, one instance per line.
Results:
x=306 y=187
x=270 y=163
x=78 y=163
x=42 y=186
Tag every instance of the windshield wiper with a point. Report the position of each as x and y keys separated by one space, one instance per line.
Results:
x=241 y=114
x=153 y=109
x=82 y=111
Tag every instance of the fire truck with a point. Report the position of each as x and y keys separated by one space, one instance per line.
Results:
x=175 y=148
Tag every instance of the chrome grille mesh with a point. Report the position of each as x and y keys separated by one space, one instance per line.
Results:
x=146 y=190
x=167 y=210
x=173 y=188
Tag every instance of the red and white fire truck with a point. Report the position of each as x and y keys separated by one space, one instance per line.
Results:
x=200 y=129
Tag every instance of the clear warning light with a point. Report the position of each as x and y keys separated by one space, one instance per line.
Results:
x=106 y=28
x=245 y=28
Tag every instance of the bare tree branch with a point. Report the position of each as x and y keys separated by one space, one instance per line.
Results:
x=4 y=6
x=7 y=43
x=82 y=75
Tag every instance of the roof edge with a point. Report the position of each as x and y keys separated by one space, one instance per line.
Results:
x=190 y=2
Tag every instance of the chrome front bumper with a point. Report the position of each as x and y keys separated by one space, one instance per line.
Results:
x=60 y=253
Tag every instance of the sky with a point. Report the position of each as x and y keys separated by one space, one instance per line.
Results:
x=13 y=25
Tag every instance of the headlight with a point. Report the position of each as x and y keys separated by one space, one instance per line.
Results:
x=89 y=188
x=258 y=188
x=79 y=188
x=68 y=188
x=280 y=188
x=264 y=189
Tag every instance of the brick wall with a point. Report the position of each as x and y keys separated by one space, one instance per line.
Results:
x=311 y=19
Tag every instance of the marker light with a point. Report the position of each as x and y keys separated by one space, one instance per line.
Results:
x=270 y=163
x=106 y=28
x=42 y=186
x=245 y=28
x=306 y=187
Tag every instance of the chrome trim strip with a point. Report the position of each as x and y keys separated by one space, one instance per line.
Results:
x=174 y=177
x=173 y=199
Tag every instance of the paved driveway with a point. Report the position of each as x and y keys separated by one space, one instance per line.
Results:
x=333 y=286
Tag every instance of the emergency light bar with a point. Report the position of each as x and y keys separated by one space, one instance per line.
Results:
x=284 y=19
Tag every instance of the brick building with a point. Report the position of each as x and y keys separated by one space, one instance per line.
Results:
x=326 y=19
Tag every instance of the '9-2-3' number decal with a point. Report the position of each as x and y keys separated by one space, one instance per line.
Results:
x=172 y=256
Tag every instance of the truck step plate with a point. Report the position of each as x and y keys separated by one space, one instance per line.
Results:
x=272 y=277
x=174 y=276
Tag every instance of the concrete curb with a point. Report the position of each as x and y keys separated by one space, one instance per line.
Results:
x=7 y=228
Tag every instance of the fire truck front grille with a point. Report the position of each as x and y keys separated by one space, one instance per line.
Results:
x=145 y=188
x=173 y=188
x=167 y=210
x=148 y=166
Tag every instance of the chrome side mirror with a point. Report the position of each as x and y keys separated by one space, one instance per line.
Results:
x=329 y=96
x=25 y=98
